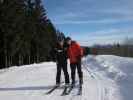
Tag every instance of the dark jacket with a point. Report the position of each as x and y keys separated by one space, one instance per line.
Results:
x=61 y=54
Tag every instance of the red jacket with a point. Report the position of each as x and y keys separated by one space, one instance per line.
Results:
x=75 y=52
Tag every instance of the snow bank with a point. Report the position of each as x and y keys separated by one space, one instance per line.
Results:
x=121 y=68
x=117 y=69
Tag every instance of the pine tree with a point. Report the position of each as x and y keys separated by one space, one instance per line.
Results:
x=26 y=33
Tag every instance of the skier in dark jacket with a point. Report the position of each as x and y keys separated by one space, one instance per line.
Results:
x=61 y=60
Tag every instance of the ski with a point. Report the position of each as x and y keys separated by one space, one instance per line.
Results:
x=65 y=91
x=79 y=91
x=70 y=89
x=51 y=90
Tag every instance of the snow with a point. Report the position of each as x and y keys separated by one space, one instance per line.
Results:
x=116 y=71
x=106 y=77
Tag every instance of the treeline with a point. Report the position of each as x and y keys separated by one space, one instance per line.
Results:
x=124 y=50
x=26 y=33
x=119 y=50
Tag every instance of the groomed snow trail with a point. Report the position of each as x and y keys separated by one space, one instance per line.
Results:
x=31 y=82
x=108 y=89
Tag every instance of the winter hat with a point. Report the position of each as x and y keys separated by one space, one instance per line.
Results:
x=60 y=39
x=68 y=38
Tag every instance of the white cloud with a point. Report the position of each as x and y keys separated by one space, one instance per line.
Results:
x=99 y=21
x=107 y=36
x=93 y=11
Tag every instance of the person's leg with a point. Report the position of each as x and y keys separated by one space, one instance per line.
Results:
x=58 y=74
x=73 y=69
x=80 y=73
x=65 y=73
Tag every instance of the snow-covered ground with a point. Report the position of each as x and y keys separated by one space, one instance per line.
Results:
x=106 y=77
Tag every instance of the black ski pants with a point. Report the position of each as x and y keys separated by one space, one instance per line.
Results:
x=62 y=66
x=77 y=66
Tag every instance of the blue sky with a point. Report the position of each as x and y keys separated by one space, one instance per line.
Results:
x=92 y=21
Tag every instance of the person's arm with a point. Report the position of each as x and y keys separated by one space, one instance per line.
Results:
x=65 y=52
x=79 y=50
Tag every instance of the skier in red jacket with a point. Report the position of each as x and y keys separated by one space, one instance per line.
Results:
x=75 y=54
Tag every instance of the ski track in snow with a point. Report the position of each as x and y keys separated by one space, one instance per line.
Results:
x=108 y=89
x=100 y=87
